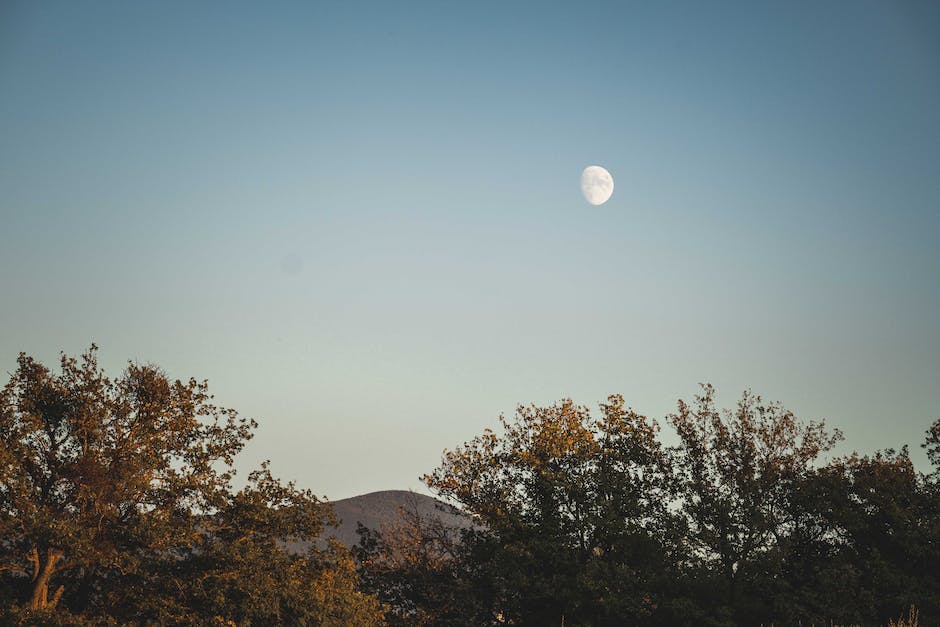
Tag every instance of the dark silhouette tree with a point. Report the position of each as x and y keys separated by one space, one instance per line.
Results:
x=415 y=565
x=571 y=511
x=884 y=515
x=739 y=474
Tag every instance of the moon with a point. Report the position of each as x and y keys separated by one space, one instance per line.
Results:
x=597 y=184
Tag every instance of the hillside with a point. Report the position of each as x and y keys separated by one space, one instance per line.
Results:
x=384 y=508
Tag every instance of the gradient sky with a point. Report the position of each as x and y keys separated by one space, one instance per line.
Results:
x=362 y=222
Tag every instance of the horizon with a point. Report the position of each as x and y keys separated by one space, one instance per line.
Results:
x=365 y=227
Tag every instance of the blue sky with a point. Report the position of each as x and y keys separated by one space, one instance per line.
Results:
x=362 y=223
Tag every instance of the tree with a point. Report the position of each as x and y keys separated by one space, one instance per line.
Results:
x=932 y=445
x=416 y=567
x=571 y=510
x=739 y=475
x=116 y=502
x=884 y=515
x=241 y=571
x=97 y=475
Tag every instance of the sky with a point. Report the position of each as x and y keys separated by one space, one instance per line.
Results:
x=362 y=222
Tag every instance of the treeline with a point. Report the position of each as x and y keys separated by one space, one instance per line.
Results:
x=117 y=506
x=587 y=519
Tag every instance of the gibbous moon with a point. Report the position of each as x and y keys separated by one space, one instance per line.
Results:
x=597 y=184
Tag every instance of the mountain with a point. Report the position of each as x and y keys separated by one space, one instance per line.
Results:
x=384 y=508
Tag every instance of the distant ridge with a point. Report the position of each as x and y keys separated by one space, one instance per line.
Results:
x=376 y=509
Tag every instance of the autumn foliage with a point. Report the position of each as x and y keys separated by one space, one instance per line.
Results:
x=117 y=506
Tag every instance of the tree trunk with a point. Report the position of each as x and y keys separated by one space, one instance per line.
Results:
x=40 y=599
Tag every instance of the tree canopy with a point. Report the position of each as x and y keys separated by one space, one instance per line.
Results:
x=117 y=505
x=589 y=519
